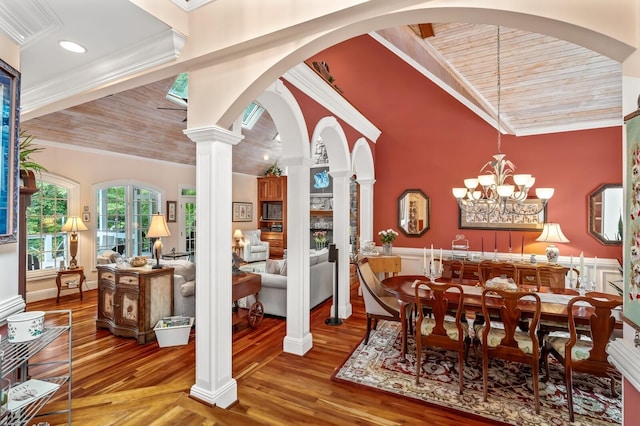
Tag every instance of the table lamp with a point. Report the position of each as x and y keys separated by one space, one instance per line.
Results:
x=551 y=233
x=157 y=229
x=238 y=236
x=74 y=225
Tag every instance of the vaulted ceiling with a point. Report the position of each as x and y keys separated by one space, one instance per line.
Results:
x=547 y=85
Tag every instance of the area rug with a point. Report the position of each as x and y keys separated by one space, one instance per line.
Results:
x=377 y=365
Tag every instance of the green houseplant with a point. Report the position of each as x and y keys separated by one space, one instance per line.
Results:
x=28 y=167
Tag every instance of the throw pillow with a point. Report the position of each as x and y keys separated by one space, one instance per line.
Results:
x=272 y=267
x=283 y=267
x=114 y=257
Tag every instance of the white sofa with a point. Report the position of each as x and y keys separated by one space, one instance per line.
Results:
x=273 y=294
x=254 y=248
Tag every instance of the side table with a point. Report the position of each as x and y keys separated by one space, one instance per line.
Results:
x=79 y=272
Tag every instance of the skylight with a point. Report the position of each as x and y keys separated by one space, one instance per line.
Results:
x=251 y=115
x=179 y=92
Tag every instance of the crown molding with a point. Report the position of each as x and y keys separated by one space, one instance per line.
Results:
x=159 y=49
x=27 y=20
x=310 y=83
x=190 y=5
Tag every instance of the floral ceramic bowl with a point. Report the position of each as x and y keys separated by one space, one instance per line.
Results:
x=25 y=326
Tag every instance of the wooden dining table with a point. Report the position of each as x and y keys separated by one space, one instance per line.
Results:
x=553 y=306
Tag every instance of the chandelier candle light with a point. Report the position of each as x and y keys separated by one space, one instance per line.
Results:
x=496 y=191
x=158 y=229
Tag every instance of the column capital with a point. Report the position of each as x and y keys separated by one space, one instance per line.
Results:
x=213 y=133
x=366 y=181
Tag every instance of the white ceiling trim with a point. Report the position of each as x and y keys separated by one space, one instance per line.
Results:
x=27 y=20
x=190 y=5
x=571 y=127
x=310 y=83
x=159 y=49
x=444 y=86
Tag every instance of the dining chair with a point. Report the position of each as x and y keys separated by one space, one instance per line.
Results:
x=587 y=355
x=552 y=276
x=454 y=269
x=488 y=269
x=440 y=329
x=508 y=342
x=378 y=303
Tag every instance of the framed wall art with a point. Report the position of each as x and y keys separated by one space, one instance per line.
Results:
x=9 y=156
x=631 y=246
x=509 y=219
x=171 y=211
x=242 y=212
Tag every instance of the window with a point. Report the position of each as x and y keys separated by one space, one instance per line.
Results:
x=123 y=214
x=188 y=205
x=178 y=92
x=48 y=211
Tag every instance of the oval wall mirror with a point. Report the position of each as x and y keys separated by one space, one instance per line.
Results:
x=605 y=214
x=413 y=213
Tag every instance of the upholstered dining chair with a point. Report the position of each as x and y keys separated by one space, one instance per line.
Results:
x=585 y=355
x=438 y=330
x=377 y=303
x=508 y=342
x=488 y=269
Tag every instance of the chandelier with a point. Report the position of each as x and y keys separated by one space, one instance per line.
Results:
x=491 y=190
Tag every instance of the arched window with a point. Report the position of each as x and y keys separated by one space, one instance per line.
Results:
x=123 y=215
x=48 y=211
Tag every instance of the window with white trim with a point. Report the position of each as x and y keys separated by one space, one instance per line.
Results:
x=123 y=215
x=48 y=211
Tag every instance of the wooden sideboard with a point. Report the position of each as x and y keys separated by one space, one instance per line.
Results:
x=132 y=300
x=527 y=272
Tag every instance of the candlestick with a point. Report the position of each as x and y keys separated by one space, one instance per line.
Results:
x=595 y=266
x=441 y=260
x=581 y=265
x=424 y=259
x=431 y=252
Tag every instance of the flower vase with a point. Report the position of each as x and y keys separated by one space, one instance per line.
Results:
x=386 y=249
x=320 y=245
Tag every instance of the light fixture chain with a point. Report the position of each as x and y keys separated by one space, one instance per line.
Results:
x=498 y=88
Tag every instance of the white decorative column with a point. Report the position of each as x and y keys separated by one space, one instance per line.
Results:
x=214 y=383
x=366 y=209
x=298 y=339
x=341 y=206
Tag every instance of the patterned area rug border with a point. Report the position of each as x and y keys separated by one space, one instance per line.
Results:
x=377 y=365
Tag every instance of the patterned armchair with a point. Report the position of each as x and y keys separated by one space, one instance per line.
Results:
x=254 y=248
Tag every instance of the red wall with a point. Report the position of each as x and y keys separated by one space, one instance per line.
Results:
x=432 y=142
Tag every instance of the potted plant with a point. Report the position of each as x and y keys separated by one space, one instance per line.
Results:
x=28 y=167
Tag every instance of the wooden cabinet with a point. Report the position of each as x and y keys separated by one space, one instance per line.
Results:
x=272 y=208
x=132 y=300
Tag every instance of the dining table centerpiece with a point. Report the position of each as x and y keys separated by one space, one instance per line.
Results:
x=388 y=236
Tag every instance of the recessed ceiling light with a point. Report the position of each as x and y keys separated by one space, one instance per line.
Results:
x=72 y=46
x=265 y=157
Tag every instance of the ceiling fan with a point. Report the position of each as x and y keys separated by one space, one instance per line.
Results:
x=175 y=109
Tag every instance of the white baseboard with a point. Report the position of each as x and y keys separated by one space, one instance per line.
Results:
x=51 y=293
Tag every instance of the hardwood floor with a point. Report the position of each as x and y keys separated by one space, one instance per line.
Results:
x=118 y=382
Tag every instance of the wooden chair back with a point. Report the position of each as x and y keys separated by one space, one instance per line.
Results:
x=551 y=276
x=502 y=343
x=488 y=269
x=579 y=355
x=454 y=269
x=439 y=300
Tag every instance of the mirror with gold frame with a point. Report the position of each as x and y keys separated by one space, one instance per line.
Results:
x=413 y=213
x=605 y=214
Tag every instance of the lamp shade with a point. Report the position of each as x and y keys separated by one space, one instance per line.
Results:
x=551 y=233
x=158 y=227
x=237 y=234
x=73 y=224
